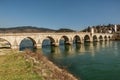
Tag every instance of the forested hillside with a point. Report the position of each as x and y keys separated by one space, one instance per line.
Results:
x=29 y=29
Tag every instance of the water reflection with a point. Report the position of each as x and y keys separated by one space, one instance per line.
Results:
x=70 y=50
x=90 y=60
x=77 y=47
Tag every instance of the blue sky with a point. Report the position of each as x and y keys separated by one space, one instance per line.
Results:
x=55 y=14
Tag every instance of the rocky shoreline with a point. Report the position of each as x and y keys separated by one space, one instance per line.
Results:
x=46 y=68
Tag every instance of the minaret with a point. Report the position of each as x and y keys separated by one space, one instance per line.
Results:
x=92 y=30
x=115 y=28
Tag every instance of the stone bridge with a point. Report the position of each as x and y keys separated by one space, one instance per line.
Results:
x=15 y=39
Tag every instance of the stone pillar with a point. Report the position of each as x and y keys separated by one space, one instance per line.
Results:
x=91 y=39
x=56 y=44
x=39 y=46
x=15 y=47
x=82 y=40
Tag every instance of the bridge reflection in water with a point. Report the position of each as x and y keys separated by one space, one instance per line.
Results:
x=87 y=61
x=71 y=50
x=66 y=49
x=84 y=60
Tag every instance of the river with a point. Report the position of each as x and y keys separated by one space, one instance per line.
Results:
x=88 y=61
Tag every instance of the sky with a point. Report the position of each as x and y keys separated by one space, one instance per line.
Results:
x=55 y=14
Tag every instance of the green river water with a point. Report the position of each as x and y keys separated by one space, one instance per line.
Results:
x=89 y=61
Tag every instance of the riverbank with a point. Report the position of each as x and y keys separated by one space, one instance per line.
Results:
x=46 y=68
x=30 y=66
x=14 y=67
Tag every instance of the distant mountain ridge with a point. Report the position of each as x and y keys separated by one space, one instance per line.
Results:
x=29 y=29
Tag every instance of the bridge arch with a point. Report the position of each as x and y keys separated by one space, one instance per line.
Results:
x=27 y=42
x=109 y=37
x=100 y=38
x=64 y=40
x=4 y=43
x=37 y=38
x=86 y=38
x=76 y=39
x=95 y=38
x=48 y=41
x=105 y=38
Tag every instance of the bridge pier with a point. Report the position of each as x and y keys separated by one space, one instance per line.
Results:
x=56 y=44
x=15 y=47
x=91 y=39
x=38 y=46
x=37 y=38
x=82 y=41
